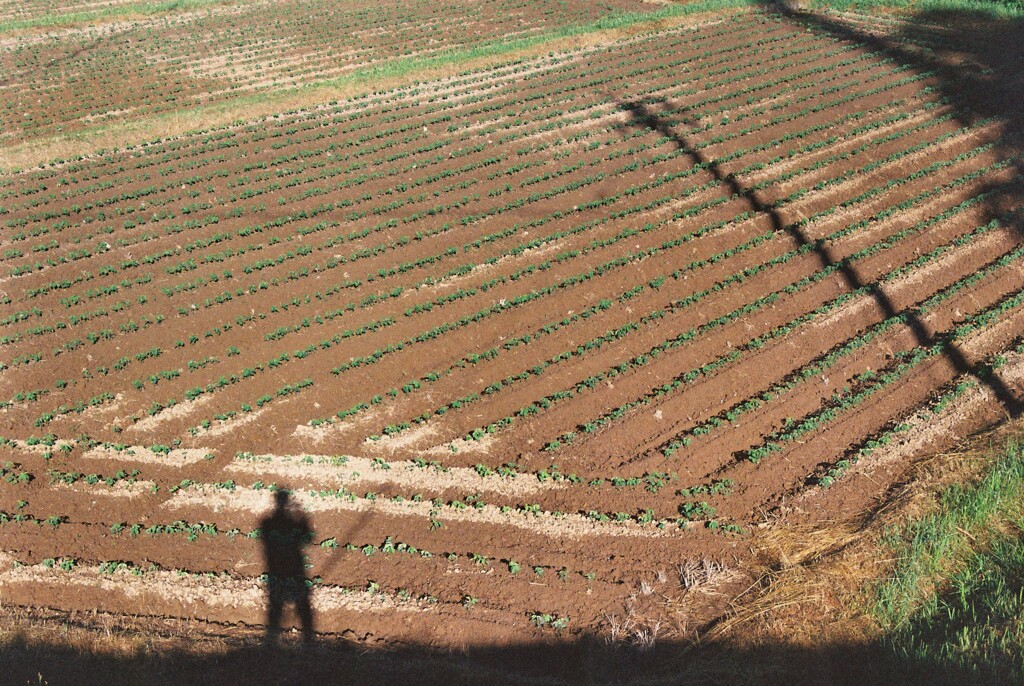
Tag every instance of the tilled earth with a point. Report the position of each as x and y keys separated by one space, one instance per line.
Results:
x=533 y=348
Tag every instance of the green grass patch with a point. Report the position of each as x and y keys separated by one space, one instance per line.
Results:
x=995 y=9
x=956 y=596
x=455 y=56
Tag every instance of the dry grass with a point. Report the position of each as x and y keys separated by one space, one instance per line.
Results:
x=811 y=584
x=807 y=584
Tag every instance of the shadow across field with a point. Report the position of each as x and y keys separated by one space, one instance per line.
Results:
x=585 y=660
x=979 y=66
x=977 y=60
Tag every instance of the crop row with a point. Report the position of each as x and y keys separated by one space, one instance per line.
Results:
x=743 y=311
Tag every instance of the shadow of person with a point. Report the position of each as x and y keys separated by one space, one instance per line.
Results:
x=285 y=531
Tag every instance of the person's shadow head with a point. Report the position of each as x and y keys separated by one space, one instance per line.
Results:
x=285 y=532
x=281 y=499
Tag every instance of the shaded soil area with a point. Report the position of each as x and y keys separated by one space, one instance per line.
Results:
x=222 y=655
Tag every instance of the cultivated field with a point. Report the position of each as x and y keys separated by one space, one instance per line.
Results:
x=91 y=74
x=535 y=347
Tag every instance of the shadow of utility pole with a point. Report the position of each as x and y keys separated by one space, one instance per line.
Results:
x=643 y=115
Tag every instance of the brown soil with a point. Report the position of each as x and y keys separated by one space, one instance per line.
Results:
x=627 y=249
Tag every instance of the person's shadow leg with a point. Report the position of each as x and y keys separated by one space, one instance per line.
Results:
x=275 y=608
x=305 y=612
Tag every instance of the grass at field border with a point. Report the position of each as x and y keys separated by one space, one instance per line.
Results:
x=994 y=9
x=956 y=594
x=930 y=586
